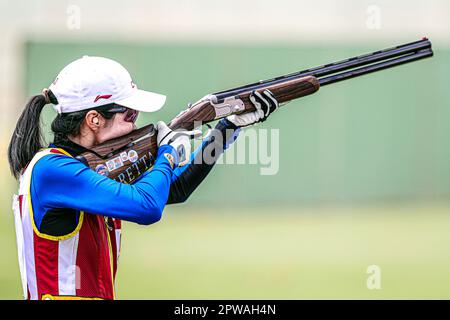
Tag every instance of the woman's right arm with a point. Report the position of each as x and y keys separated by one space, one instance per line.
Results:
x=60 y=181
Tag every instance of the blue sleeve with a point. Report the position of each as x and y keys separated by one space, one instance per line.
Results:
x=60 y=181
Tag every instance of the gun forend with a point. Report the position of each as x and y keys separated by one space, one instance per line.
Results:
x=211 y=107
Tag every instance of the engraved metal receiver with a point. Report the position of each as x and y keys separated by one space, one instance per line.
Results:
x=228 y=106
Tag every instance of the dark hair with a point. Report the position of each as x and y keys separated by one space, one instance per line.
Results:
x=69 y=124
x=27 y=137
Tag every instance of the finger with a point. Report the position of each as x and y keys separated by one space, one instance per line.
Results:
x=274 y=102
x=256 y=103
x=191 y=133
x=253 y=117
x=265 y=103
x=258 y=106
x=163 y=131
x=160 y=124
x=194 y=134
x=246 y=119
x=187 y=134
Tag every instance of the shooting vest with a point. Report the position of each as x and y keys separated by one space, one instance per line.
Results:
x=78 y=265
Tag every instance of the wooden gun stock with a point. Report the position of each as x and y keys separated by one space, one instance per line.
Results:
x=125 y=158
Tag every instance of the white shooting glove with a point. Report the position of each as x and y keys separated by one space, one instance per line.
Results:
x=180 y=140
x=264 y=102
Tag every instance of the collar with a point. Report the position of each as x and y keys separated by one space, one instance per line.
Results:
x=71 y=147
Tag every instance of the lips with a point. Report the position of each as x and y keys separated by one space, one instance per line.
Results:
x=131 y=115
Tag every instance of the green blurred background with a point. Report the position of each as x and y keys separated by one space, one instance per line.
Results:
x=364 y=175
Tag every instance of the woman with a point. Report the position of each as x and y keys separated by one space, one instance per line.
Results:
x=68 y=217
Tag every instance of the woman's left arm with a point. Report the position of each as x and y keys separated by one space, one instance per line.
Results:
x=187 y=178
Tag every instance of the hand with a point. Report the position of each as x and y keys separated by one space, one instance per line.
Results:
x=264 y=102
x=179 y=140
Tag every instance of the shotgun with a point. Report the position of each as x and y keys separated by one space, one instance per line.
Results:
x=126 y=158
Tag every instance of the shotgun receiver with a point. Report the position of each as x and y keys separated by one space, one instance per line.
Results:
x=126 y=158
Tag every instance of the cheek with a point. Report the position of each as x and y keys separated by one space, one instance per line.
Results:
x=122 y=127
x=127 y=127
x=117 y=127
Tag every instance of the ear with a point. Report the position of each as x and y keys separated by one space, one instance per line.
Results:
x=94 y=120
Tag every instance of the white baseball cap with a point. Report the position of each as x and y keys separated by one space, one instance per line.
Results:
x=90 y=82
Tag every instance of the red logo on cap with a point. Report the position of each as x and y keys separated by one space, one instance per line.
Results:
x=104 y=96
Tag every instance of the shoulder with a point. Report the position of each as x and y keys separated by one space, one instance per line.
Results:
x=55 y=164
x=52 y=159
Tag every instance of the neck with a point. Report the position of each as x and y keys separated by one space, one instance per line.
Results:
x=86 y=141
x=71 y=147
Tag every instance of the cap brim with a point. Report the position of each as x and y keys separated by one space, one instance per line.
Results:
x=144 y=101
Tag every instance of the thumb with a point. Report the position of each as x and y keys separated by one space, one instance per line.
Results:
x=163 y=131
x=161 y=125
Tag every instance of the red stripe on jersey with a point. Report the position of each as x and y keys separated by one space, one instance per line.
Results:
x=46 y=260
x=57 y=151
x=112 y=237
x=116 y=249
x=20 y=204
x=93 y=259
x=53 y=150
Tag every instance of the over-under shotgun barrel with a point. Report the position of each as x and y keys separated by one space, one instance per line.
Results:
x=365 y=59
x=370 y=62
x=375 y=67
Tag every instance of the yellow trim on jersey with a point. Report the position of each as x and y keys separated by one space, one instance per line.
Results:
x=52 y=297
x=111 y=263
x=30 y=205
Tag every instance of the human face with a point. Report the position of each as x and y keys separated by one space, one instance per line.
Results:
x=121 y=123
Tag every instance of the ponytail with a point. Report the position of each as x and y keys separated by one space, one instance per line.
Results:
x=27 y=137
